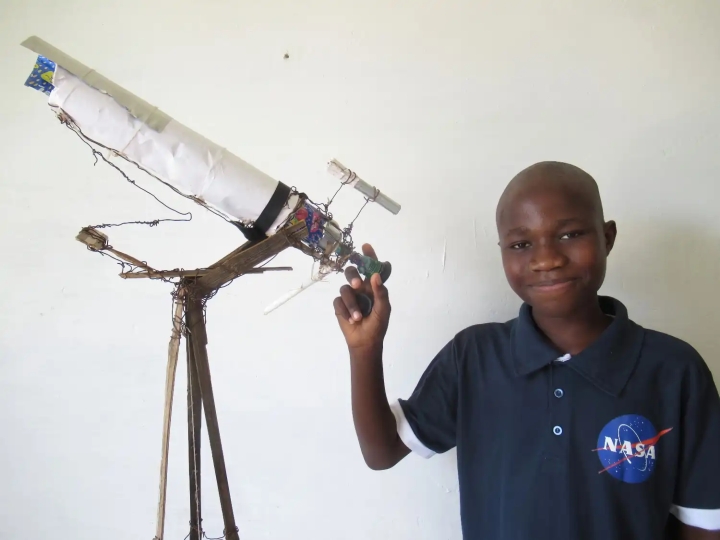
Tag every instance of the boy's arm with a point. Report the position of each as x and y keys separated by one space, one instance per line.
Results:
x=696 y=502
x=375 y=423
x=426 y=422
x=692 y=533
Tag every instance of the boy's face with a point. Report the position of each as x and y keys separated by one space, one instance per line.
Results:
x=554 y=247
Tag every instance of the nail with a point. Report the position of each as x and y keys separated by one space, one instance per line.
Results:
x=357 y=315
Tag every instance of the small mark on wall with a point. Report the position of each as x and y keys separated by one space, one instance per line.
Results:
x=475 y=232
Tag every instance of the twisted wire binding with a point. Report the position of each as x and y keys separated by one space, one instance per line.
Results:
x=192 y=528
x=67 y=121
x=153 y=223
x=347 y=239
x=125 y=267
x=212 y=293
x=347 y=231
x=203 y=534
x=224 y=535
x=351 y=178
x=326 y=206
x=129 y=268
x=178 y=295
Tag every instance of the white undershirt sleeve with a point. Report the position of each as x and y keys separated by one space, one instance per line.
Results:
x=697 y=517
x=406 y=433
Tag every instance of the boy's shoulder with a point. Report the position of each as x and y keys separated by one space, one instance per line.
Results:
x=486 y=331
x=485 y=339
x=672 y=353
x=659 y=349
x=669 y=344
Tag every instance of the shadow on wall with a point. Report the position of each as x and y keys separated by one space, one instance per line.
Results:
x=669 y=270
x=669 y=280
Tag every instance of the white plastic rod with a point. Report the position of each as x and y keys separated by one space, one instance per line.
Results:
x=346 y=176
x=292 y=294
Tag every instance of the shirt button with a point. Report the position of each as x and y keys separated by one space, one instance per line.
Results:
x=557 y=430
x=558 y=393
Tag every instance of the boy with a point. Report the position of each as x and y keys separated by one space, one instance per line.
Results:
x=570 y=421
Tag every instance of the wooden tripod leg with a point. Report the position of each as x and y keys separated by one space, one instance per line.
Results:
x=173 y=350
x=196 y=325
x=194 y=405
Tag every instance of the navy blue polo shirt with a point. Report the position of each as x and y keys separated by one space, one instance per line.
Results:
x=603 y=445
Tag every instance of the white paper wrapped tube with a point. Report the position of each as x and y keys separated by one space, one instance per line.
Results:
x=176 y=154
x=345 y=175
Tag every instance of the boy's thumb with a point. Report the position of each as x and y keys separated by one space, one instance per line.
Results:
x=380 y=292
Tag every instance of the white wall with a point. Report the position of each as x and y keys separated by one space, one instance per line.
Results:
x=439 y=103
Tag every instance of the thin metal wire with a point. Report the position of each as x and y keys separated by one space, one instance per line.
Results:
x=271 y=259
x=347 y=231
x=96 y=154
x=67 y=121
x=224 y=535
x=125 y=266
x=326 y=206
x=153 y=223
x=212 y=293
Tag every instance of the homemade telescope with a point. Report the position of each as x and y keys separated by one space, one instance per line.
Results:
x=111 y=118
x=271 y=215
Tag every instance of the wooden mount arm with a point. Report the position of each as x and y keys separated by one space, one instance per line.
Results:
x=203 y=281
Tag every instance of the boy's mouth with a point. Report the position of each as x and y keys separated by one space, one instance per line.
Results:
x=553 y=285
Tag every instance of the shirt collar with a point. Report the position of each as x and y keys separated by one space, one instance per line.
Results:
x=608 y=363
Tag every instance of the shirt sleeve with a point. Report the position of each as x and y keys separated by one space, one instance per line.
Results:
x=697 y=493
x=426 y=422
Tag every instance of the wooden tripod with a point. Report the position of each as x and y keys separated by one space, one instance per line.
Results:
x=194 y=289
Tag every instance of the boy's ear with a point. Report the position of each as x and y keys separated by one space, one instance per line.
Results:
x=610 y=230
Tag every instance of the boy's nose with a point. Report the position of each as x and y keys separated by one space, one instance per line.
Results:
x=546 y=258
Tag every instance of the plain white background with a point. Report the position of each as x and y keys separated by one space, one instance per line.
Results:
x=437 y=103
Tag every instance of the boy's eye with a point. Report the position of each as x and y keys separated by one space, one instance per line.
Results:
x=573 y=234
x=519 y=245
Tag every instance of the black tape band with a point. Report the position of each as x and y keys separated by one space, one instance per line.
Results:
x=272 y=208
x=268 y=215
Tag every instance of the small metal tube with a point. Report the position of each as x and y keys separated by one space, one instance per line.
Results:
x=346 y=176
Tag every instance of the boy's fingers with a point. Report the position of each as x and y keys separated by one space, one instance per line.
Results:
x=341 y=311
x=368 y=250
x=378 y=288
x=353 y=277
x=347 y=294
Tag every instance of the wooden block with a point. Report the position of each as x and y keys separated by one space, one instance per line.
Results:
x=92 y=238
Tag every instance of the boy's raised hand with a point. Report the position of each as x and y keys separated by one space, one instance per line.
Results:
x=363 y=332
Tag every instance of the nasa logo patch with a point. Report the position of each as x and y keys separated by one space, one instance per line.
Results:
x=627 y=448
